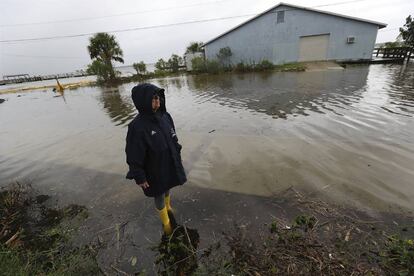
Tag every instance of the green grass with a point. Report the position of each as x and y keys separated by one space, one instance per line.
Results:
x=18 y=262
x=290 y=67
x=399 y=255
x=213 y=67
x=36 y=240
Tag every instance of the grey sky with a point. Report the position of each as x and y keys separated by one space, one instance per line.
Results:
x=70 y=54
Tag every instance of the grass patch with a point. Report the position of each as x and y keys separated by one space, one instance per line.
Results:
x=290 y=67
x=399 y=255
x=213 y=67
x=35 y=239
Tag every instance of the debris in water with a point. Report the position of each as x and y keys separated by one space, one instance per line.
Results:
x=134 y=261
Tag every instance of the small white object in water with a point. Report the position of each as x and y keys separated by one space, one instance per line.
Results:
x=133 y=261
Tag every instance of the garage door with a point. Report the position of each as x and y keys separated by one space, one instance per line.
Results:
x=313 y=47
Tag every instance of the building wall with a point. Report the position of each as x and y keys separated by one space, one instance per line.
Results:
x=263 y=38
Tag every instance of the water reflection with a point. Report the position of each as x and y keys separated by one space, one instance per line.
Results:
x=283 y=94
x=402 y=89
x=118 y=107
x=279 y=95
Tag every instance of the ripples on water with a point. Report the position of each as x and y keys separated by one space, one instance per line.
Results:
x=326 y=124
x=285 y=95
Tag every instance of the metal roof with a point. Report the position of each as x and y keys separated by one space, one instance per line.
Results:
x=379 y=24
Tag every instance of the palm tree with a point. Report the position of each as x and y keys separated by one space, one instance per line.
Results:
x=104 y=48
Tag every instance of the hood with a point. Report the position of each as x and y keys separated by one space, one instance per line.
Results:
x=142 y=96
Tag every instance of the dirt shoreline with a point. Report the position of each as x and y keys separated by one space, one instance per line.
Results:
x=43 y=87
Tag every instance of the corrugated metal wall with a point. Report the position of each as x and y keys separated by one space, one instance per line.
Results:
x=264 y=38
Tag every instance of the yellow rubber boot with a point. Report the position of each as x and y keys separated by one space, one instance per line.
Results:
x=167 y=201
x=165 y=221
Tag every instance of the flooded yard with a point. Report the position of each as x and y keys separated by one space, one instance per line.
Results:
x=343 y=135
x=346 y=134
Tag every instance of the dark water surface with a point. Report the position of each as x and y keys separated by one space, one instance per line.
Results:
x=346 y=134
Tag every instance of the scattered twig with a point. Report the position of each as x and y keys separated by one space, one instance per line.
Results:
x=119 y=271
x=188 y=239
x=117 y=235
x=14 y=237
x=184 y=259
x=106 y=229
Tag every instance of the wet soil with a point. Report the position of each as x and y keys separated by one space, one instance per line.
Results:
x=128 y=236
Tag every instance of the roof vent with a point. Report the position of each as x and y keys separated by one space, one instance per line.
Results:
x=350 y=39
x=280 y=17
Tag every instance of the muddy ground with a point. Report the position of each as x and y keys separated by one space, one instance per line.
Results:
x=126 y=239
x=216 y=233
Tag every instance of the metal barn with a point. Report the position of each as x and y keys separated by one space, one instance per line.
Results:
x=289 y=33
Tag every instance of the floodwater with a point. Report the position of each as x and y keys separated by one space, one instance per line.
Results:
x=346 y=134
x=343 y=135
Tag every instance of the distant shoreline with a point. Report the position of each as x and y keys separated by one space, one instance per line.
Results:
x=66 y=86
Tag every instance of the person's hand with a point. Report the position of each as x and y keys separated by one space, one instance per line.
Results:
x=144 y=185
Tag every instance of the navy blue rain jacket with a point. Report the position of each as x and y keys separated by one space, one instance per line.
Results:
x=152 y=149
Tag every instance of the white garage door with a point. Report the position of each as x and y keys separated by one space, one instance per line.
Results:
x=313 y=47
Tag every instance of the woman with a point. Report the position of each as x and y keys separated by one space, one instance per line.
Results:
x=152 y=149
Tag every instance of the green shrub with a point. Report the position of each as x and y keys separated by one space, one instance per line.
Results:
x=102 y=70
x=224 y=56
x=198 y=65
x=161 y=65
x=213 y=67
x=194 y=47
x=140 y=67
x=264 y=65
x=305 y=222
x=174 y=63
x=159 y=73
x=242 y=67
